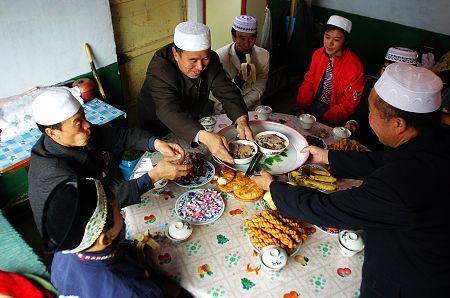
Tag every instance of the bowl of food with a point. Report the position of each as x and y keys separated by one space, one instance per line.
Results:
x=242 y=151
x=271 y=143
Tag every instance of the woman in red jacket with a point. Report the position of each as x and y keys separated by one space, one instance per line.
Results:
x=333 y=85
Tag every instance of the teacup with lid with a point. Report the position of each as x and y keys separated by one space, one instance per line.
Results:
x=350 y=242
x=273 y=258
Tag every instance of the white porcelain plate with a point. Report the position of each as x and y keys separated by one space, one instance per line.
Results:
x=200 y=206
x=286 y=162
x=210 y=171
x=329 y=231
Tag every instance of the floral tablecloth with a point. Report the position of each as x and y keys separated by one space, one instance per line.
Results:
x=217 y=260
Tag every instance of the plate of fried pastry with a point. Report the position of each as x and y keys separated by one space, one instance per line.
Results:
x=271 y=228
x=243 y=188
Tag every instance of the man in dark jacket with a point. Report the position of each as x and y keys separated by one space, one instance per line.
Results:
x=175 y=93
x=70 y=146
x=403 y=204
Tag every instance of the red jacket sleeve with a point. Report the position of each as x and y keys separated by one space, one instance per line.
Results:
x=308 y=88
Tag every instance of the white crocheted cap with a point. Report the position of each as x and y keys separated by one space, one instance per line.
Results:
x=245 y=23
x=192 y=36
x=54 y=106
x=340 y=22
x=410 y=88
x=402 y=55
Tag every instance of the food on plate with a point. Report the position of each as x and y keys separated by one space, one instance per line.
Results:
x=226 y=176
x=243 y=188
x=271 y=141
x=198 y=169
x=315 y=141
x=270 y=228
x=241 y=151
x=315 y=177
x=346 y=144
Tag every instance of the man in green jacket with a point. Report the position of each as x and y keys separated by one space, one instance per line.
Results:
x=175 y=92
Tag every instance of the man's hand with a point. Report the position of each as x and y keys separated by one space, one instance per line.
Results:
x=243 y=129
x=264 y=180
x=217 y=145
x=168 y=169
x=170 y=149
x=318 y=155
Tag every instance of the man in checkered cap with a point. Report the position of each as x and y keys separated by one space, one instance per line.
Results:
x=70 y=146
x=233 y=56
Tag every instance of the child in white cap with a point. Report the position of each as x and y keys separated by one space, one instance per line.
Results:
x=333 y=85
x=83 y=225
x=175 y=93
x=233 y=56
x=402 y=205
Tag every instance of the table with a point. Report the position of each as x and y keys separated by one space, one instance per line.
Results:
x=15 y=153
x=218 y=261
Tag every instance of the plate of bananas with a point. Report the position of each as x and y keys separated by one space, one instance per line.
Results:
x=314 y=176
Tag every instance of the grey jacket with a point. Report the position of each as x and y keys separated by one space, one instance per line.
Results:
x=52 y=163
x=169 y=100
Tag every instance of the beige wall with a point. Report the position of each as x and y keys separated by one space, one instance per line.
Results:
x=219 y=18
x=220 y=15
x=257 y=8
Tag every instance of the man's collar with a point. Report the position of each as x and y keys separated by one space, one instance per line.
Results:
x=59 y=150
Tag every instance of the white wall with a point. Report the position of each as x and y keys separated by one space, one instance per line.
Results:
x=431 y=15
x=42 y=41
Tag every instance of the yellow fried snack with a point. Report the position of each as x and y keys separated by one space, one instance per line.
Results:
x=318 y=184
x=269 y=227
x=329 y=179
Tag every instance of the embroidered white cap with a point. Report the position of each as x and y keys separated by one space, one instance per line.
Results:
x=402 y=55
x=54 y=106
x=410 y=88
x=245 y=23
x=340 y=22
x=192 y=36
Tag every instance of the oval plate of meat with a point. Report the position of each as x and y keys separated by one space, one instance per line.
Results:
x=289 y=160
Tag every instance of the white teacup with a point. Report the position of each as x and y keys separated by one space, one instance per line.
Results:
x=340 y=133
x=208 y=123
x=263 y=112
x=307 y=121
x=273 y=258
x=350 y=242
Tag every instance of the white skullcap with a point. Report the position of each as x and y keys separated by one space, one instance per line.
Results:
x=192 y=36
x=410 y=88
x=54 y=106
x=402 y=55
x=244 y=23
x=340 y=22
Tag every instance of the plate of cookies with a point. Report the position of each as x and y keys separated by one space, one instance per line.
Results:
x=241 y=187
x=271 y=228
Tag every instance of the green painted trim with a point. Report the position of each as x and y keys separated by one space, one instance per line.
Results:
x=111 y=82
x=14 y=188
x=371 y=38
